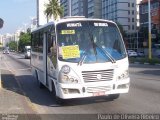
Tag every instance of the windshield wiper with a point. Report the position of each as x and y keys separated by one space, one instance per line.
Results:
x=107 y=54
x=82 y=59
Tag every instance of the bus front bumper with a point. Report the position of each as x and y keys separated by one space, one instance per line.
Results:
x=69 y=91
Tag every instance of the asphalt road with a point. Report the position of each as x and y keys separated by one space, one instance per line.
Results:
x=19 y=94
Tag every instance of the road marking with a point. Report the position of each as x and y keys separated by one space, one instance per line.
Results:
x=24 y=69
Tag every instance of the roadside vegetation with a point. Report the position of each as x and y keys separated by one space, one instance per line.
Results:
x=153 y=61
x=24 y=40
x=12 y=45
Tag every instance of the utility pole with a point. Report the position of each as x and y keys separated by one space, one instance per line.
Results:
x=149 y=30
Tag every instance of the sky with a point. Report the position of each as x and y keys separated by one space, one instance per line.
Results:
x=16 y=13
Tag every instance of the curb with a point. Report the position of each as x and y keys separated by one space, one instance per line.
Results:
x=144 y=63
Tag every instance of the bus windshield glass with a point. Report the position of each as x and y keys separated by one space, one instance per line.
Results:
x=89 y=42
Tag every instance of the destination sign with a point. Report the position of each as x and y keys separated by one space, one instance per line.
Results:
x=74 y=25
x=101 y=24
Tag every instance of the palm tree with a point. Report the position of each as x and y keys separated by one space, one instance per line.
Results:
x=53 y=9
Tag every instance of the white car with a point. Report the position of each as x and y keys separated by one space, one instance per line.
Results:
x=27 y=54
x=5 y=51
x=132 y=53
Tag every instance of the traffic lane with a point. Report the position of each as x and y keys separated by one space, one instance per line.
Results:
x=145 y=81
x=127 y=103
x=137 y=98
x=146 y=92
x=149 y=70
x=19 y=57
x=14 y=63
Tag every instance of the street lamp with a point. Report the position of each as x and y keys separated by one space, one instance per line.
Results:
x=149 y=29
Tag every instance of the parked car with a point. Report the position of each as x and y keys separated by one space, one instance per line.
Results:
x=132 y=53
x=140 y=54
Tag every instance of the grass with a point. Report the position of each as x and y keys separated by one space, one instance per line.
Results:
x=152 y=61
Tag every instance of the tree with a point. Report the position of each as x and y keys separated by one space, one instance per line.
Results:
x=12 y=45
x=53 y=9
x=1 y=22
x=24 y=40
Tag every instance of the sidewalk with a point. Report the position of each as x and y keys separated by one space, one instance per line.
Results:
x=12 y=99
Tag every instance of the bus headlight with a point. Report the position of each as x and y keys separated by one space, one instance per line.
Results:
x=68 y=79
x=123 y=75
x=65 y=69
x=67 y=75
x=65 y=78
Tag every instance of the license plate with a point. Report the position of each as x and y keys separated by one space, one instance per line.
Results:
x=98 y=93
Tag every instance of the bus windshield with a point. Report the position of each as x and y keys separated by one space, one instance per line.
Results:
x=89 y=42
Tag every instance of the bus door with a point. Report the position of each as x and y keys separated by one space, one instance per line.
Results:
x=51 y=55
x=44 y=78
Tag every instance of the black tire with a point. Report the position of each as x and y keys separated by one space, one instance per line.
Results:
x=58 y=100
x=40 y=85
x=114 y=96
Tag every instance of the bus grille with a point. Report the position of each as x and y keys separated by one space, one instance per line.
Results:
x=97 y=76
x=98 y=89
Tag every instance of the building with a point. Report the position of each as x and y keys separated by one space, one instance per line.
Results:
x=87 y=8
x=94 y=8
x=155 y=14
x=33 y=23
x=79 y=8
x=65 y=5
x=155 y=21
x=6 y=39
x=41 y=17
x=138 y=12
x=123 y=12
x=74 y=7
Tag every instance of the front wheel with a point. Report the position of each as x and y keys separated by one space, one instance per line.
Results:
x=114 y=96
x=58 y=100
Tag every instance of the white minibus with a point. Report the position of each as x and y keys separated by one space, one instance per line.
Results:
x=79 y=57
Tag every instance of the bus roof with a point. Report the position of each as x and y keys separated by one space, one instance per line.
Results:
x=80 y=18
x=71 y=19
